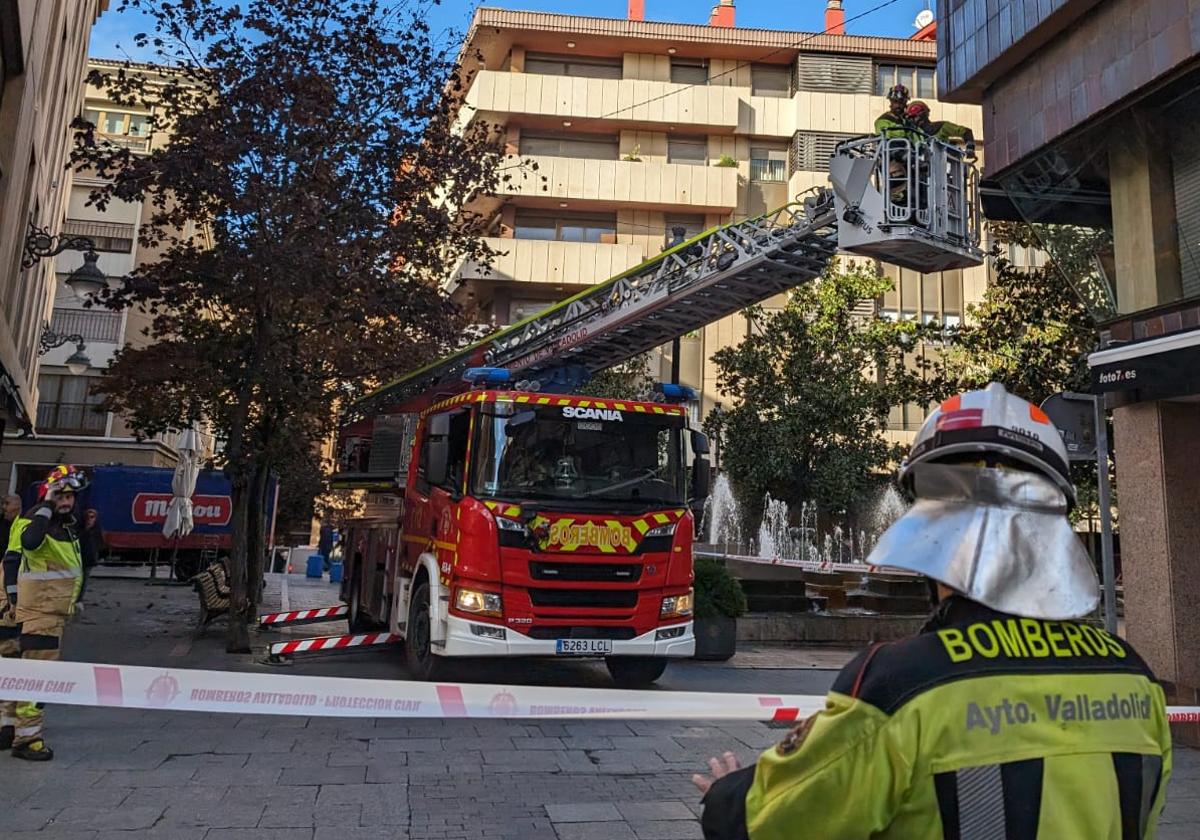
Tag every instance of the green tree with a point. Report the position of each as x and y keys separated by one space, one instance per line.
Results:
x=626 y=381
x=320 y=144
x=1034 y=329
x=1031 y=332
x=810 y=391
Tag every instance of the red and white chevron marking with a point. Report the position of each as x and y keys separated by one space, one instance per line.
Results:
x=321 y=614
x=327 y=643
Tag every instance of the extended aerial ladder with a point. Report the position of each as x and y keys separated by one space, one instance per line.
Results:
x=913 y=205
x=910 y=204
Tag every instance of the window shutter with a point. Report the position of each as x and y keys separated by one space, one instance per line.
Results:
x=811 y=150
x=835 y=73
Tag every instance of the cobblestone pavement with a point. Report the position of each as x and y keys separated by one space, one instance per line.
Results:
x=125 y=774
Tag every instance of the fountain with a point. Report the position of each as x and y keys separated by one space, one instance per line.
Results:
x=723 y=515
x=775 y=567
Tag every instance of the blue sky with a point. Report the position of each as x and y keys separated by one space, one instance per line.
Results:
x=113 y=33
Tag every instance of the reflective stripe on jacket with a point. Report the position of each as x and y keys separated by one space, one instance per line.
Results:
x=984 y=723
x=51 y=573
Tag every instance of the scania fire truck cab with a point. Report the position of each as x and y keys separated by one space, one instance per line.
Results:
x=538 y=525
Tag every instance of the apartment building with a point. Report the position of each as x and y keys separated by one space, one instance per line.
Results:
x=639 y=127
x=43 y=49
x=69 y=426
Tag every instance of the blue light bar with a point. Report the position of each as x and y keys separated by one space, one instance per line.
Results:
x=673 y=393
x=487 y=376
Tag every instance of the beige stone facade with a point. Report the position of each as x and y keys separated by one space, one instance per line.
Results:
x=44 y=47
x=68 y=426
x=638 y=127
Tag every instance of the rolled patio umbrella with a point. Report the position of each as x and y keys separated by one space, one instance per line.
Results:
x=183 y=484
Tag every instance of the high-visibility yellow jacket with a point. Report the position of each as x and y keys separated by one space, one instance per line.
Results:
x=893 y=127
x=51 y=573
x=985 y=725
x=12 y=555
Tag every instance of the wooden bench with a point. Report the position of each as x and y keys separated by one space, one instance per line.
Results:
x=212 y=585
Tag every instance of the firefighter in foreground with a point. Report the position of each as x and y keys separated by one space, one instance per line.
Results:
x=1003 y=717
x=45 y=557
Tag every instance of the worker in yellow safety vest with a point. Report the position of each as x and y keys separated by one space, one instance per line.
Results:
x=49 y=580
x=1006 y=715
x=11 y=523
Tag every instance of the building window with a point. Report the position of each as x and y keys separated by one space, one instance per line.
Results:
x=691 y=225
x=121 y=128
x=687 y=150
x=811 y=150
x=68 y=405
x=590 y=146
x=768 y=163
x=770 y=80
x=918 y=80
x=834 y=73
x=519 y=310
x=566 y=227
x=689 y=71
x=113 y=237
x=582 y=66
x=908 y=417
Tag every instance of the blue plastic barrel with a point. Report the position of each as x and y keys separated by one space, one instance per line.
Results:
x=316 y=566
x=335 y=572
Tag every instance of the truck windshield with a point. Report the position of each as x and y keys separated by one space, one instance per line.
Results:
x=588 y=456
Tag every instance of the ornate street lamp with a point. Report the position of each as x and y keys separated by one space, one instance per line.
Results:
x=83 y=281
x=78 y=362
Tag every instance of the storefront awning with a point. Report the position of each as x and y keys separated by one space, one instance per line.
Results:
x=1153 y=369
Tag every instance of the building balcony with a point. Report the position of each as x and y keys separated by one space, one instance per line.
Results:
x=550 y=262
x=635 y=183
x=91 y=324
x=634 y=102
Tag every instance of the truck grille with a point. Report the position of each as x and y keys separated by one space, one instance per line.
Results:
x=620 y=572
x=600 y=598
x=618 y=634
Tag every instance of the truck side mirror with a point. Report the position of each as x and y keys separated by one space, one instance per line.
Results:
x=700 y=479
x=438 y=443
x=699 y=443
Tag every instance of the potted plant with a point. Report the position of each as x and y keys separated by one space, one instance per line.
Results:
x=726 y=161
x=634 y=155
x=719 y=602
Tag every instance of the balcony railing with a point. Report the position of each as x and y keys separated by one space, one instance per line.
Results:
x=559 y=263
x=64 y=418
x=632 y=182
x=626 y=100
x=126 y=141
x=92 y=324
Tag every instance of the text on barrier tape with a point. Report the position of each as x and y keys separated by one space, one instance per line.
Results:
x=172 y=689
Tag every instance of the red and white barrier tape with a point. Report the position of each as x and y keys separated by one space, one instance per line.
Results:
x=322 y=614
x=138 y=687
x=342 y=642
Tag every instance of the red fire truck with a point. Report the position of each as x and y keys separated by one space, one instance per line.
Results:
x=524 y=519
x=533 y=524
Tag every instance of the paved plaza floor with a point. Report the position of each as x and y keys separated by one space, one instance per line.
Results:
x=121 y=774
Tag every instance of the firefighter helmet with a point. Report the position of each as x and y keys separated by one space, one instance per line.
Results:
x=917 y=110
x=996 y=423
x=897 y=93
x=63 y=477
x=989 y=473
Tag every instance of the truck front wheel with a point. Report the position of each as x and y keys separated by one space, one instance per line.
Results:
x=422 y=662
x=635 y=671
